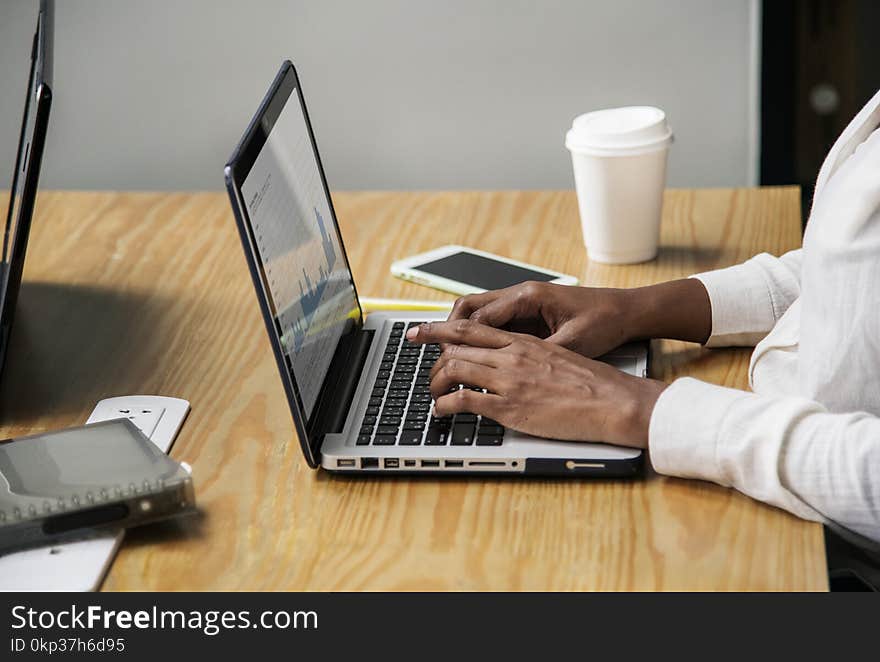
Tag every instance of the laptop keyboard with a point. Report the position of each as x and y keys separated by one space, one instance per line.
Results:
x=400 y=407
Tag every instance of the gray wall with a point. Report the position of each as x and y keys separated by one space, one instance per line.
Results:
x=404 y=94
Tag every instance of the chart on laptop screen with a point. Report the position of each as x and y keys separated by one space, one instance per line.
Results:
x=300 y=250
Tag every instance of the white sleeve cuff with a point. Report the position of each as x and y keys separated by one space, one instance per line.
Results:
x=735 y=294
x=682 y=437
x=749 y=298
x=761 y=446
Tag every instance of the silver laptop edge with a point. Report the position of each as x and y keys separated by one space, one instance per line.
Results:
x=340 y=453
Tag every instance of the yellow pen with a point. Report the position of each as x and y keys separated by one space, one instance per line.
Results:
x=370 y=304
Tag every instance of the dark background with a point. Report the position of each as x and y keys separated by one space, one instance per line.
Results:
x=820 y=65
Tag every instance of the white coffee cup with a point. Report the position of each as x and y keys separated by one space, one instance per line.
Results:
x=619 y=158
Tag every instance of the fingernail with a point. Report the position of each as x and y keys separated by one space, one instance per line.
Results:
x=412 y=332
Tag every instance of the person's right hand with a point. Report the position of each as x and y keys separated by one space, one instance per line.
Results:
x=587 y=320
x=594 y=320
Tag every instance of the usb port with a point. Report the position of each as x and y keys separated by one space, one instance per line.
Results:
x=454 y=463
x=346 y=464
x=430 y=463
x=369 y=463
x=392 y=463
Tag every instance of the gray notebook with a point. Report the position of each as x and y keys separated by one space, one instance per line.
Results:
x=66 y=484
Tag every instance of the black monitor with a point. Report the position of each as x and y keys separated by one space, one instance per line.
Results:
x=23 y=192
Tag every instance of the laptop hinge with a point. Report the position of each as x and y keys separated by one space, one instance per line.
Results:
x=340 y=385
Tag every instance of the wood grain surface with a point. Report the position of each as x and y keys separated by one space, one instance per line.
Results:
x=149 y=293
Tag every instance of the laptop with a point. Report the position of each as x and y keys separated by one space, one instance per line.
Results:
x=23 y=192
x=358 y=390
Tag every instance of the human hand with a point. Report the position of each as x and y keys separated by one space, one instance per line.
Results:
x=588 y=320
x=593 y=320
x=535 y=386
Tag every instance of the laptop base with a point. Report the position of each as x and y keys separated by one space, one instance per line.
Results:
x=519 y=454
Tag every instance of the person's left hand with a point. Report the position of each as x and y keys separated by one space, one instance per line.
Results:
x=535 y=386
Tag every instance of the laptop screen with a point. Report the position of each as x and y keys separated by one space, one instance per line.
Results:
x=309 y=284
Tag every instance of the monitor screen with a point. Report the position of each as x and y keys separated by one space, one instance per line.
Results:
x=310 y=287
x=21 y=163
x=23 y=191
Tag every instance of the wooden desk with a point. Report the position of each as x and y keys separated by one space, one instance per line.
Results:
x=149 y=293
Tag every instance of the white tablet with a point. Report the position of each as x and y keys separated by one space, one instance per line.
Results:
x=463 y=270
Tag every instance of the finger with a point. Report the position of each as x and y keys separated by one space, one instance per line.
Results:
x=466 y=305
x=456 y=371
x=488 y=357
x=473 y=402
x=564 y=337
x=460 y=332
x=503 y=310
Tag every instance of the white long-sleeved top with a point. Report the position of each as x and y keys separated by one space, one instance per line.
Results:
x=807 y=439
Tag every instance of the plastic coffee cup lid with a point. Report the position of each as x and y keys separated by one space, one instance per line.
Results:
x=619 y=131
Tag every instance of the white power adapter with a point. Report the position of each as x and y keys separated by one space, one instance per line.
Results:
x=82 y=564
